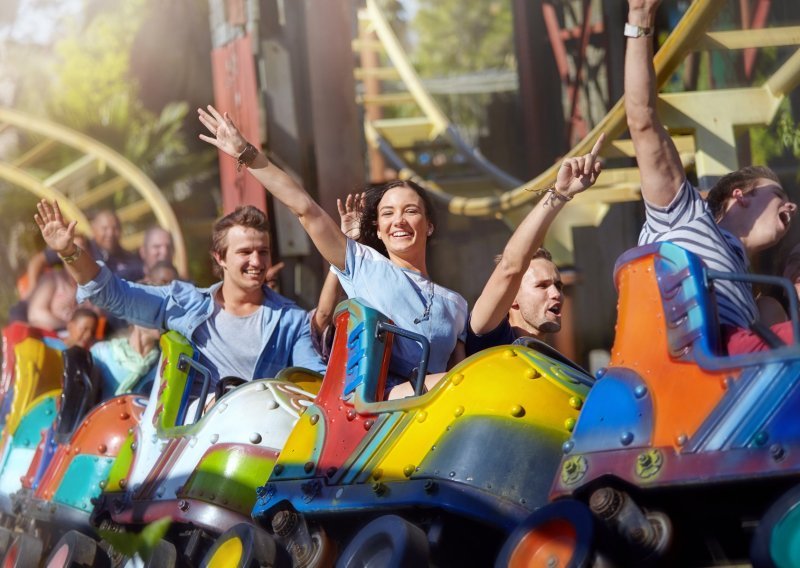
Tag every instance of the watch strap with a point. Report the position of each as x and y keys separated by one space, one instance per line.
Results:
x=632 y=30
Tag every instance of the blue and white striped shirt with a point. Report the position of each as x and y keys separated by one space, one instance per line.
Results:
x=689 y=223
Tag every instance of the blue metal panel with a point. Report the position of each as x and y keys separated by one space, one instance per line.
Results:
x=618 y=413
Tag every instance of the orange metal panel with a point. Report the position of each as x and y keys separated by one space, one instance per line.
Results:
x=236 y=92
x=683 y=393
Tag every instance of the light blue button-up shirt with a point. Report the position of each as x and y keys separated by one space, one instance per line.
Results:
x=183 y=307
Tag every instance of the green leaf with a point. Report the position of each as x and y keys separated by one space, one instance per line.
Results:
x=140 y=544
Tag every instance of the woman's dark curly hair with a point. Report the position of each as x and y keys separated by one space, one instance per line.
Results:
x=369 y=214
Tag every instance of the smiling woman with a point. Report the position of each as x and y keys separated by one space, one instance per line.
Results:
x=387 y=267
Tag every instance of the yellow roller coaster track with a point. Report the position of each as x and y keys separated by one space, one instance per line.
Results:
x=704 y=122
x=95 y=177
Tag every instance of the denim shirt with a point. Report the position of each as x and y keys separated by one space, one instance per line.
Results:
x=182 y=307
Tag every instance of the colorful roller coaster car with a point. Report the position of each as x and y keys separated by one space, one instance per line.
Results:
x=72 y=462
x=679 y=450
x=202 y=473
x=13 y=334
x=457 y=467
x=34 y=392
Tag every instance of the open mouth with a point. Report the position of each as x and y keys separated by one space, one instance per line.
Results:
x=400 y=234
x=555 y=310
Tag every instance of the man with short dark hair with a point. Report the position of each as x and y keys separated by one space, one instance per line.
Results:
x=523 y=295
x=240 y=327
x=746 y=212
x=535 y=310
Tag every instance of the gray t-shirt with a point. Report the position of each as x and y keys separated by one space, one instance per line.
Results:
x=230 y=345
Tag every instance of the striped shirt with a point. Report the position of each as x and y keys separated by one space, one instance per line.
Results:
x=688 y=223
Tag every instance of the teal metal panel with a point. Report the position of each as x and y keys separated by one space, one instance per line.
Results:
x=82 y=481
x=38 y=418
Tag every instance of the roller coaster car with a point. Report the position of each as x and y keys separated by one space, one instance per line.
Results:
x=458 y=467
x=680 y=449
x=35 y=391
x=13 y=334
x=73 y=459
x=203 y=472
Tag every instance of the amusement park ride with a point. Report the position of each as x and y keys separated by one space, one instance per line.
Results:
x=675 y=454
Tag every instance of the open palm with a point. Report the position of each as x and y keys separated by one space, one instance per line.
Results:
x=57 y=233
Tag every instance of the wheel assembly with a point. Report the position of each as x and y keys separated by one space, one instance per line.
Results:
x=559 y=534
x=387 y=542
x=776 y=542
x=25 y=551
x=75 y=550
x=243 y=546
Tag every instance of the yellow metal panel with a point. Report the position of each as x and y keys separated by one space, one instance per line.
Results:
x=743 y=39
x=528 y=394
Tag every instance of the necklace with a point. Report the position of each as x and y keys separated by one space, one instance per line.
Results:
x=426 y=315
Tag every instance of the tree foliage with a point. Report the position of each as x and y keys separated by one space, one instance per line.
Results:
x=454 y=38
x=457 y=37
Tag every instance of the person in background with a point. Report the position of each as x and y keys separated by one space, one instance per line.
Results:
x=52 y=302
x=157 y=246
x=239 y=326
x=82 y=328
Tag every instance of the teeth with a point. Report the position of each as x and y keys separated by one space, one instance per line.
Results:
x=400 y=234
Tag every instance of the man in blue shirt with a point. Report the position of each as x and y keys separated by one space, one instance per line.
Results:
x=240 y=327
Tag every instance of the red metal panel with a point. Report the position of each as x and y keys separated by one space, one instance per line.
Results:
x=235 y=91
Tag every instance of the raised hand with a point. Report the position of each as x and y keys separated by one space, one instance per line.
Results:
x=57 y=233
x=350 y=214
x=226 y=136
x=272 y=274
x=579 y=173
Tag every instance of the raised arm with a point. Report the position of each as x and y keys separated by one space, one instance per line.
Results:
x=60 y=236
x=574 y=176
x=322 y=229
x=659 y=163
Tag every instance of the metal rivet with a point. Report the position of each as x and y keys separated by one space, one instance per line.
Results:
x=255 y=438
x=457 y=378
x=458 y=411
x=422 y=416
x=532 y=374
x=640 y=391
x=517 y=411
x=569 y=424
x=408 y=470
x=626 y=438
x=575 y=402
x=315 y=418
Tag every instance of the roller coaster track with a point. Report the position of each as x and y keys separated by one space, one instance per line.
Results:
x=95 y=177
x=702 y=123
